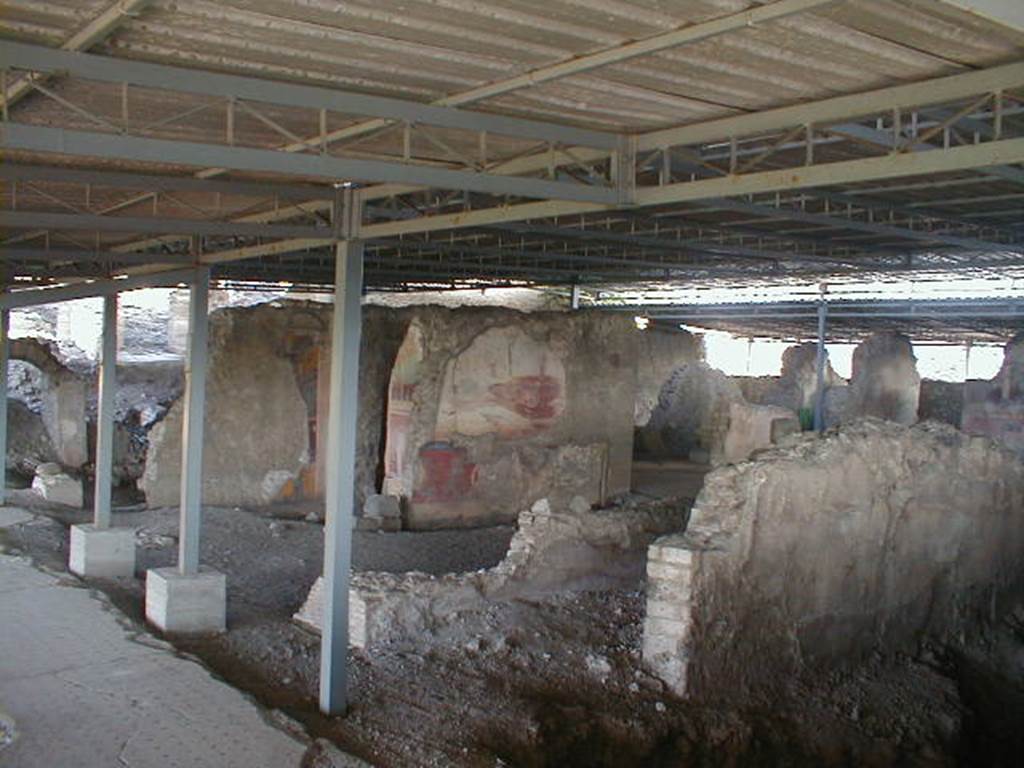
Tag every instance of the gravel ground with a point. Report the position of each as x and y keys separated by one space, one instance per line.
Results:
x=553 y=682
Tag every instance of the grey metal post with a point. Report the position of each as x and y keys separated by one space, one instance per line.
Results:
x=819 y=395
x=105 y=414
x=5 y=326
x=574 y=298
x=192 y=426
x=341 y=454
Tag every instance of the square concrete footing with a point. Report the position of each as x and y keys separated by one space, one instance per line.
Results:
x=179 y=604
x=102 y=552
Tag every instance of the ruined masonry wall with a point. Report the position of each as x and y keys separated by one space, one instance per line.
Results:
x=659 y=354
x=256 y=430
x=876 y=536
x=554 y=550
x=490 y=410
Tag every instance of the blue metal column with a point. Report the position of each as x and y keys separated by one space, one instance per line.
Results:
x=105 y=415
x=192 y=425
x=341 y=457
x=5 y=326
x=819 y=395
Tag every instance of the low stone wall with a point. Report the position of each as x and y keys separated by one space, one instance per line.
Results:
x=876 y=536
x=568 y=549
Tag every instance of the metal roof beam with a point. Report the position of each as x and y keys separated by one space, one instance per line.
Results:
x=204 y=83
x=12 y=256
x=153 y=182
x=841 y=108
x=706 y=248
x=824 y=175
x=93 y=223
x=94 y=32
x=876 y=228
x=38 y=138
x=30 y=297
x=844 y=172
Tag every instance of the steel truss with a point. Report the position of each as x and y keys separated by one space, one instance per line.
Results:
x=774 y=193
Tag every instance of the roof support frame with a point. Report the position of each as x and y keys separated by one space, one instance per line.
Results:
x=203 y=83
x=110 y=146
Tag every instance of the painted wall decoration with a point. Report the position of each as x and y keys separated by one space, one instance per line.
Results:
x=505 y=383
x=405 y=377
x=445 y=473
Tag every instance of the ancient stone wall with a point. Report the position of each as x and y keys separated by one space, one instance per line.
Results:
x=554 y=550
x=510 y=407
x=885 y=383
x=28 y=442
x=659 y=354
x=996 y=408
x=941 y=401
x=490 y=410
x=797 y=386
x=692 y=415
x=60 y=393
x=875 y=537
x=256 y=426
x=753 y=428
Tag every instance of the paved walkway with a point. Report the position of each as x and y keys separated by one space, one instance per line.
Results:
x=83 y=689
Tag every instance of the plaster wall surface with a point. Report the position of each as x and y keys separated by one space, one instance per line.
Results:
x=877 y=536
x=256 y=427
x=490 y=410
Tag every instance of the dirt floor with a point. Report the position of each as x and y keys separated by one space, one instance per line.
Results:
x=554 y=682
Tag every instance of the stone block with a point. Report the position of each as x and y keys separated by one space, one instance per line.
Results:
x=54 y=485
x=676 y=610
x=671 y=549
x=193 y=604
x=381 y=513
x=656 y=625
x=661 y=645
x=668 y=571
x=755 y=427
x=102 y=552
x=379 y=505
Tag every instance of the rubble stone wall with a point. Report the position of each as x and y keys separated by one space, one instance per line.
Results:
x=554 y=550
x=877 y=536
x=692 y=415
x=941 y=401
x=659 y=354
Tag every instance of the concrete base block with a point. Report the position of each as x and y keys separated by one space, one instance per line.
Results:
x=186 y=604
x=102 y=552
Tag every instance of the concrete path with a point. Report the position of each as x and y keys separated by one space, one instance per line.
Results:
x=82 y=688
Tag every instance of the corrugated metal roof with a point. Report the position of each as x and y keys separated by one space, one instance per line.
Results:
x=433 y=50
